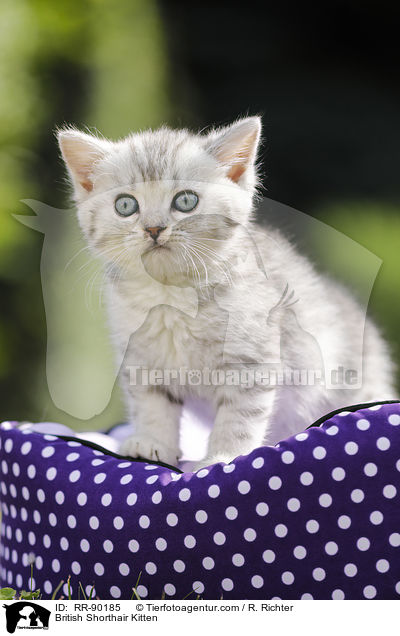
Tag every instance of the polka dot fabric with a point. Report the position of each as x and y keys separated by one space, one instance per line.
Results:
x=316 y=517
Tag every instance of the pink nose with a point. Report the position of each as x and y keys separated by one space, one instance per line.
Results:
x=154 y=231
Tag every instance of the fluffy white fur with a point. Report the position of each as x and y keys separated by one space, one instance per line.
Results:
x=259 y=300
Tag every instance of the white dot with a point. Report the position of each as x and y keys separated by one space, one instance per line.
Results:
x=397 y=587
x=383 y=443
x=300 y=552
x=144 y=521
x=16 y=469
x=124 y=569
x=64 y=543
x=257 y=581
x=344 y=522
x=227 y=585
x=52 y=519
x=198 y=587
x=338 y=595
x=72 y=457
x=46 y=541
x=229 y=468
x=363 y=424
x=115 y=591
x=331 y=548
x=189 y=541
x=338 y=473
x=376 y=517
x=281 y=530
x=31 y=471
x=394 y=539
x=169 y=589
x=382 y=566
x=306 y=478
x=262 y=509
x=82 y=498
x=394 y=419
x=351 y=448
x=312 y=526
x=332 y=430
x=106 y=499
x=201 y=516
x=118 y=523
x=287 y=457
x=319 y=574
x=375 y=407
x=350 y=569
x=156 y=497
x=319 y=452
x=258 y=462
x=55 y=565
x=250 y=534
x=25 y=492
x=293 y=504
x=131 y=499
x=231 y=512
x=51 y=473
x=369 y=591
x=179 y=566
x=202 y=473
x=31 y=538
x=238 y=559
x=126 y=479
x=244 y=487
x=94 y=523
x=150 y=567
x=357 y=495
x=48 y=588
x=108 y=546
x=8 y=445
x=74 y=476
x=172 y=519
x=287 y=578
x=370 y=469
x=184 y=494
x=48 y=451
x=126 y=465
x=301 y=437
x=133 y=545
x=363 y=543
x=219 y=538
x=60 y=497
x=99 y=478
x=85 y=545
x=26 y=448
x=268 y=556
x=213 y=491
x=389 y=491
x=161 y=544
x=275 y=482
x=307 y=597
x=208 y=563
x=152 y=479
x=325 y=500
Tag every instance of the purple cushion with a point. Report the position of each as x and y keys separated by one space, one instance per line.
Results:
x=317 y=516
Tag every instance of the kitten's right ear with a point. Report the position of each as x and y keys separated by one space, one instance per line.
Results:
x=80 y=153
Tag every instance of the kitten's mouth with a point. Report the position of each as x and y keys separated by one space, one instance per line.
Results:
x=156 y=247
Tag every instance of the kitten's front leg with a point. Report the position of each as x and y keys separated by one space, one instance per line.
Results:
x=155 y=414
x=241 y=422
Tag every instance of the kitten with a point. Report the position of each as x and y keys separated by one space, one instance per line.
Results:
x=170 y=212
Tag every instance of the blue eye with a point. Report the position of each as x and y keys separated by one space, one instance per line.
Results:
x=126 y=205
x=185 y=201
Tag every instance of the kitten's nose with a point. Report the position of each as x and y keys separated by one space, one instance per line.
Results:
x=154 y=231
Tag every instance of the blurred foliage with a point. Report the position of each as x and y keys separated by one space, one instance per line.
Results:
x=108 y=65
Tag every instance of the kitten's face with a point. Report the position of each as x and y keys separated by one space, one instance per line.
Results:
x=168 y=200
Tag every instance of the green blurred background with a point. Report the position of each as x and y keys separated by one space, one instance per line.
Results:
x=324 y=79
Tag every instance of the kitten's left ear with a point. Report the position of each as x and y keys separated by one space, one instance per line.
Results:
x=236 y=147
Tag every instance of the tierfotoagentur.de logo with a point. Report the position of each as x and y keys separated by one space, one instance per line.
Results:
x=26 y=615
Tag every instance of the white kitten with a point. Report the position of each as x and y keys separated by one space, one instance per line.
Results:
x=169 y=212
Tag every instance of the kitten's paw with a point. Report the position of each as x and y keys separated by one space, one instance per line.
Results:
x=149 y=448
x=210 y=461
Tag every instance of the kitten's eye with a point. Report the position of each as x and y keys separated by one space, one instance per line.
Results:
x=185 y=201
x=126 y=205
